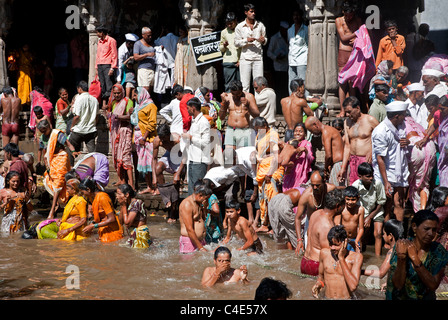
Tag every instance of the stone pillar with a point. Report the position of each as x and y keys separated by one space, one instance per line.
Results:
x=201 y=18
x=322 y=69
x=4 y=27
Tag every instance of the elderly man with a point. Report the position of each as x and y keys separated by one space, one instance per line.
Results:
x=416 y=104
x=431 y=82
x=266 y=100
x=106 y=62
x=144 y=54
x=333 y=145
x=358 y=128
x=390 y=156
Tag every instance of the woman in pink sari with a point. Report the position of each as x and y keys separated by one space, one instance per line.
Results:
x=121 y=134
x=299 y=170
x=39 y=98
x=421 y=162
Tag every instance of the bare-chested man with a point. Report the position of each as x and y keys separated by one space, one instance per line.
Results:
x=339 y=269
x=358 y=129
x=333 y=146
x=312 y=199
x=321 y=222
x=240 y=105
x=346 y=27
x=10 y=109
x=192 y=219
x=294 y=106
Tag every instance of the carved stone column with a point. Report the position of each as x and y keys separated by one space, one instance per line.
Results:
x=5 y=23
x=322 y=69
x=201 y=18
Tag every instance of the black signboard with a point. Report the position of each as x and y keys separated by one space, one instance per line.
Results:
x=206 y=48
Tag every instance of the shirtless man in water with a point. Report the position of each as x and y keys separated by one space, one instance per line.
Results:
x=333 y=146
x=321 y=222
x=294 y=106
x=240 y=106
x=358 y=129
x=346 y=27
x=10 y=108
x=192 y=220
x=312 y=199
x=339 y=269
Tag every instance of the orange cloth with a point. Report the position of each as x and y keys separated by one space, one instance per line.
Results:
x=386 y=51
x=102 y=206
x=59 y=165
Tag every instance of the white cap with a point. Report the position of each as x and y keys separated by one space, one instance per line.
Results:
x=131 y=37
x=432 y=72
x=284 y=24
x=396 y=106
x=417 y=86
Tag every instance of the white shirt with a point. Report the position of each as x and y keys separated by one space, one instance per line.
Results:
x=278 y=46
x=385 y=145
x=369 y=199
x=171 y=113
x=298 y=46
x=439 y=90
x=246 y=161
x=267 y=104
x=418 y=113
x=199 y=146
x=251 y=51
x=169 y=42
x=221 y=176
x=123 y=55
x=86 y=107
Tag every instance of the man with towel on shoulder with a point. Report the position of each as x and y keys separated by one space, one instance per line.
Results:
x=389 y=148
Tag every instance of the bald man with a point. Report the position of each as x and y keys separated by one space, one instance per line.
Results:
x=333 y=146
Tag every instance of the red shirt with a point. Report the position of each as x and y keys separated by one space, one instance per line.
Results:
x=186 y=118
x=107 y=52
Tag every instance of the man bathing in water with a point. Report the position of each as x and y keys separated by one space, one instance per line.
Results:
x=192 y=219
x=10 y=109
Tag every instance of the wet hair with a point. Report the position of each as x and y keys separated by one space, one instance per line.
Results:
x=338 y=123
x=271 y=289
x=9 y=176
x=163 y=130
x=294 y=142
x=230 y=17
x=71 y=175
x=88 y=184
x=334 y=198
x=194 y=102
x=390 y=23
x=351 y=192
x=42 y=125
x=221 y=250
x=438 y=198
x=351 y=101
x=432 y=100
x=38 y=109
x=127 y=189
x=7 y=90
x=395 y=228
x=232 y=204
x=201 y=188
x=83 y=86
x=259 y=122
x=13 y=149
x=365 y=169
x=249 y=6
x=236 y=85
x=337 y=233
x=295 y=84
x=177 y=89
x=422 y=216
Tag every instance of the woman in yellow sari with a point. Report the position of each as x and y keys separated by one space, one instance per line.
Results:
x=24 y=82
x=75 y=214
x=105 y=220
x=269 y=173
x=133 y=217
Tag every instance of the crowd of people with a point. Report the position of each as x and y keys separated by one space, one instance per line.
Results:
x=386 y=148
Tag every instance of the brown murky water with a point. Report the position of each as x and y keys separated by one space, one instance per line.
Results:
x=43 y=269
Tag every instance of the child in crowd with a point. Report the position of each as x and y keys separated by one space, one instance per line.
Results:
x=39 y=112
x=372 y=197
x=352 y=218
x=241 y=226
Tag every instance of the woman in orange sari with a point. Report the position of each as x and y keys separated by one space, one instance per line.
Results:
x=269 y=173
x=105 y=219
